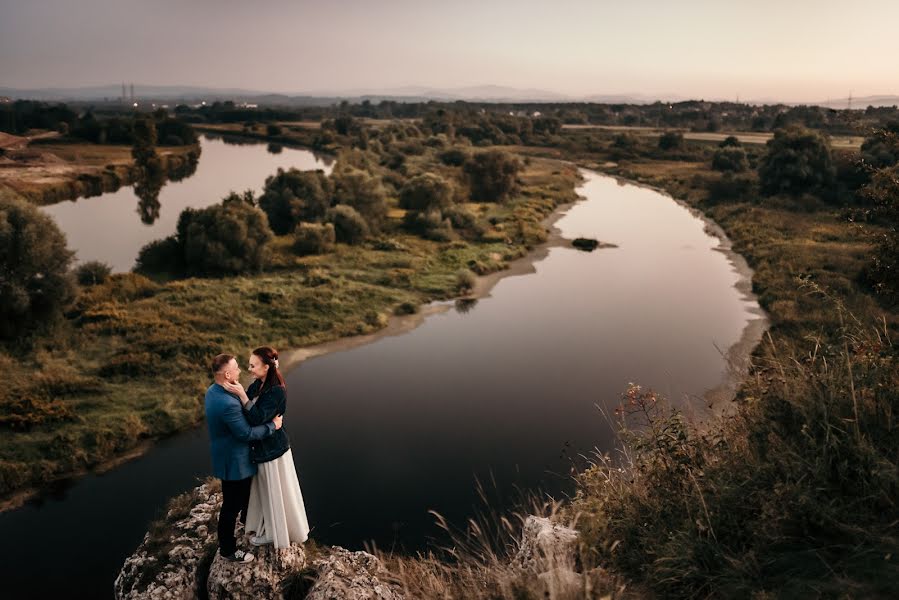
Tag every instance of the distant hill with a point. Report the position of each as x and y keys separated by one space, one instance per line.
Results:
x=861 y=102
x=482 y=93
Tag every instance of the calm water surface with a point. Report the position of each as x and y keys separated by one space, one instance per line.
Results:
x=504 y=391
x=108 y=228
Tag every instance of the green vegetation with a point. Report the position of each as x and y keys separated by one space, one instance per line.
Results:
x=798 y=162
x=128 y=361
x=294 y=196
x=491 y=175
x=34 y=264
x=791 y=495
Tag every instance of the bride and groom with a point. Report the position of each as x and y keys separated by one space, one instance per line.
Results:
x=251 y=455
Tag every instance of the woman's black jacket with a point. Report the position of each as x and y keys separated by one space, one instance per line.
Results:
x=273 y=401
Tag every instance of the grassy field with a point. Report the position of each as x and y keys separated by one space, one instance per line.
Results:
x=747 y=137
x=52 y=171
x=129 y=362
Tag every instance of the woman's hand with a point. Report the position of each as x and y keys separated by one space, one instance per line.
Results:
x=237 y=390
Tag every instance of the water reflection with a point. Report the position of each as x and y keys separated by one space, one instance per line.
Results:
x=104 y=228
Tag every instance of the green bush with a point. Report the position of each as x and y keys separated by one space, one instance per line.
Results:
x=293 y=196
x=314 y=238
x=35 y=283
x=224 y=239
x=454 y=157
x=492 y=175
x=730 y=158
x=426 y=192
x=465 y=280
x=798 y=162
x=349 y=226
x=363 y=193
x=671 y=140
x=92 y=273
x=161 y=256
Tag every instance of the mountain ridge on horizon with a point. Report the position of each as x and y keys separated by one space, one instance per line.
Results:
x=409 y=93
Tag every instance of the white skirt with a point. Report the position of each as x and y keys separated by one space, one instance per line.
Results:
x=276 y=505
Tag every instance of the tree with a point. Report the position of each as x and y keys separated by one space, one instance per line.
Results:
x=224 y=239
x=492 y=175
x=883 y=193
x=730 y=158
x=293 y=196
x=798 y=161
x=426 y=192
x=881 y=148
x=34 y=268
x=731 y=141
x=362 y=192
x=349 y=226
x=144 y=148
x=671 y=140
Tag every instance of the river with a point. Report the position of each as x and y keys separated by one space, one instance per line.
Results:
x=508 y=390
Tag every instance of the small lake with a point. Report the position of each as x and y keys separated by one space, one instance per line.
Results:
x=109 y=227
x=504 y=391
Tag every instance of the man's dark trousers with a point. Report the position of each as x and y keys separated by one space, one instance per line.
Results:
x=235 y=499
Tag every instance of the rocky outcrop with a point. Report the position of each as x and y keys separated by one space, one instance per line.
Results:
x=178 y=559
x=352 y=576
x=262 y=578
x=551 y=551
x=166 y=564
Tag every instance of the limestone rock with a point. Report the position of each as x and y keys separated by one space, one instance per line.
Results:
x=349 y=575
x=546 y=546
x=164 y=566
x=261 y=578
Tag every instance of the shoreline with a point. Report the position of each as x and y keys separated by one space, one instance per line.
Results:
x=719 y=399
x=290 y=358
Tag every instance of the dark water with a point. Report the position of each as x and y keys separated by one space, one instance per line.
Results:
x=108 y=228
x=504 y=391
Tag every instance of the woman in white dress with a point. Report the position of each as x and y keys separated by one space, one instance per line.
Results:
x=276 y=513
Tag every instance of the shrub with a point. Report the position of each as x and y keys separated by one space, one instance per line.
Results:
x=293 y=196
x=34 y=268
x=730 y=158
x=731 y=188
x=671 y=140
x=465 y=280
x=92 y=273
x=360 y=191
x=272 y=129
x=881 y=148
x=798 y=161
x=454 y=157
x=228 y=238
x=161 y=256
x=223 y=239
x=730 y=142
x=349 y=226
x=314 y=238
x=430 y=225
x=492 y=175
x=426 y=192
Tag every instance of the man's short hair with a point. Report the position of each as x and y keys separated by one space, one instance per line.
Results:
x=219 y=362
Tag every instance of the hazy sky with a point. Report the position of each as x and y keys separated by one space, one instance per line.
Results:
x=776 y=49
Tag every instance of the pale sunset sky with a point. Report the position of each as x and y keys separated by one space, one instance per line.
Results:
x=789 y=50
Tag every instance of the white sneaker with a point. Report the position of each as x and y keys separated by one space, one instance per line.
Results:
x=261 y=540
x=240 y=556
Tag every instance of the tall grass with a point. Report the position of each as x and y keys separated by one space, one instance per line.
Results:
x=793 y=496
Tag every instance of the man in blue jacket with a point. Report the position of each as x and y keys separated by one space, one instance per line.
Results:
x=230 y=436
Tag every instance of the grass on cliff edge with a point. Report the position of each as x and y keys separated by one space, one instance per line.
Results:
x=129 y=362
